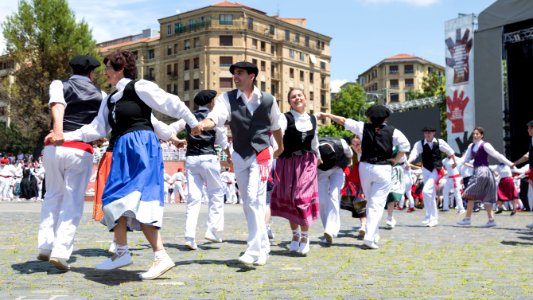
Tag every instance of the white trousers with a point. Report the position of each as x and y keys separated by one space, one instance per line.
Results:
x=408 y=193
x=6 y=190
x=530 y=195
x=428 y=194
x=453 y=185
x=253 y=197
x=67 y=173
x=229 y=191
x=376 y=182
x=203 y=172
x=330 y=183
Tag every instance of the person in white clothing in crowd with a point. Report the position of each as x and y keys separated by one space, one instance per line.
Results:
x=7 y=179
x=453 y=185
x=378 y=140
x=228 y=178
x=251 y=114
x=180 y=186
x=408 y=180
x=336 y=155
x=430 y=148
x=203 y=173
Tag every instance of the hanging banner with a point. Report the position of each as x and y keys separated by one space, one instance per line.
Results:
x=459 y=39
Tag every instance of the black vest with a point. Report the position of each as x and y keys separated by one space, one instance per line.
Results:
x=83 y=101
x=431 y=157
x=332 y=153
x=128 y=114
x=205 y=142
x=295 y=141
x=376 y=145
x=250 y=132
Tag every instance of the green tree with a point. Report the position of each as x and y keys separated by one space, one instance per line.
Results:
x=41 y=37
x=349 y=102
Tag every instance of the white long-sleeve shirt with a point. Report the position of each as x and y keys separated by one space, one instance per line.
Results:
x=221 y=137
x=398 y=138
x=151 y=95
x=467 y=156
x=418 y=148
x=56 y=90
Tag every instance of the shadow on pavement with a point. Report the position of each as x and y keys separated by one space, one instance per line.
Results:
x=110 y=278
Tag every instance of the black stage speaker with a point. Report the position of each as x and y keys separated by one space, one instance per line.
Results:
x=519 y=53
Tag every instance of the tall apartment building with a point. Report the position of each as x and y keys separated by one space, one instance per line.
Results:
x=196 y=48
x=393 y=77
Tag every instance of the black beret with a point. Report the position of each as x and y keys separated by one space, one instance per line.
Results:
x=248 y=66
x=530 y=123
x=204 y=96
x=378 y=111
x=84 y=63
x=429 y=128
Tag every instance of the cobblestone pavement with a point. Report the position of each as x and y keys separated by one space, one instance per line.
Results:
x=447 y=261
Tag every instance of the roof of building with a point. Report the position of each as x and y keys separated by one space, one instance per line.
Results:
x=401 y=57
x=120 y=45
x=235 y=4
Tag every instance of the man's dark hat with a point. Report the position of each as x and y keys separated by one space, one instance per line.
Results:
x=204 y=97
x=429 y=128
x=530 y=123
x=248 y=66
x=84 y=63
x=378 y=111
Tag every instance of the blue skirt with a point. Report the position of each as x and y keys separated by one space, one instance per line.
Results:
x=135 y=185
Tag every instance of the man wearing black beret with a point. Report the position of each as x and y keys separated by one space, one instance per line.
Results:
x=203 y=168
x=378 y=140
x=529 y=158
x=73 y=103
x=251 y=115
x=431 y=150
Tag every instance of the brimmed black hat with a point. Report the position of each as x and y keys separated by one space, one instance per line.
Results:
x=204 y=97
x=248 y=66
x=378 y=111
x=530 y=123
x=429 y=128
x=84 y=63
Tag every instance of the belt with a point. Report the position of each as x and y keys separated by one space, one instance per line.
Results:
x=6 y=176
x=77 y=145
x=376 y=161
x=455 y=176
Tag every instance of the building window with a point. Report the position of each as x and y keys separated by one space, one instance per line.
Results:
x=287 y=35
x=302 y=76
x=175 y=73
x=250 y=23
x=196 y=63
x=430 y=70
x=323 y=99
x=319 y=44
x=196 y=42
x=263 y=46
x=273 y=49
x=186 y=45
x=169 y=50
x=226 y=83
x=393 y=69
x=169 y=29
x=272 y=29
x=291 y=53
x=263 y=66
x=169 y=88
x=151 y=54
x=178 y=28
x=408 y=69
x=135 y=54
x=169 y=69
x=394 y=97
x=393 y=83
x=311 y=77
x=291 y=73
x=311 y=96
x=226 y=61
x=225 y=19
x=196 y=84
x=297 y=37
x=175 y=48
x=254 y=44
x=323 y=65
x=302 y=56
x=226 y=40
x=186 y=85
x=254 y=61
x=409 y=83
x=307 y=41
x=175 y=89
x=263 y=86
x=186 y=65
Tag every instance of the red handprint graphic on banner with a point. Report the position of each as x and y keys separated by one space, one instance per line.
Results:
x=456 y=107
x=460 y=53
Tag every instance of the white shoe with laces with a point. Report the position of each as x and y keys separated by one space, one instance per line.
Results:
x=158 y=268
x=464 y=222
x=190 y=244
x=490 y=223
x=212 y=237
x=116 y=261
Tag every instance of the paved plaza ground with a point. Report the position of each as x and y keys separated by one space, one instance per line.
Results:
x=447 y=261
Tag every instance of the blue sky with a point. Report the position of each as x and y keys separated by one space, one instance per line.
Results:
x=364 y=31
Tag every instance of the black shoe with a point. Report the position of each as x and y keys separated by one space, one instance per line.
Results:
x=513 y=212
x=499 y=211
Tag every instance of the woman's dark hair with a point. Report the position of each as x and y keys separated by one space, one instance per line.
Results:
x=123 y=60
x=480 y=130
